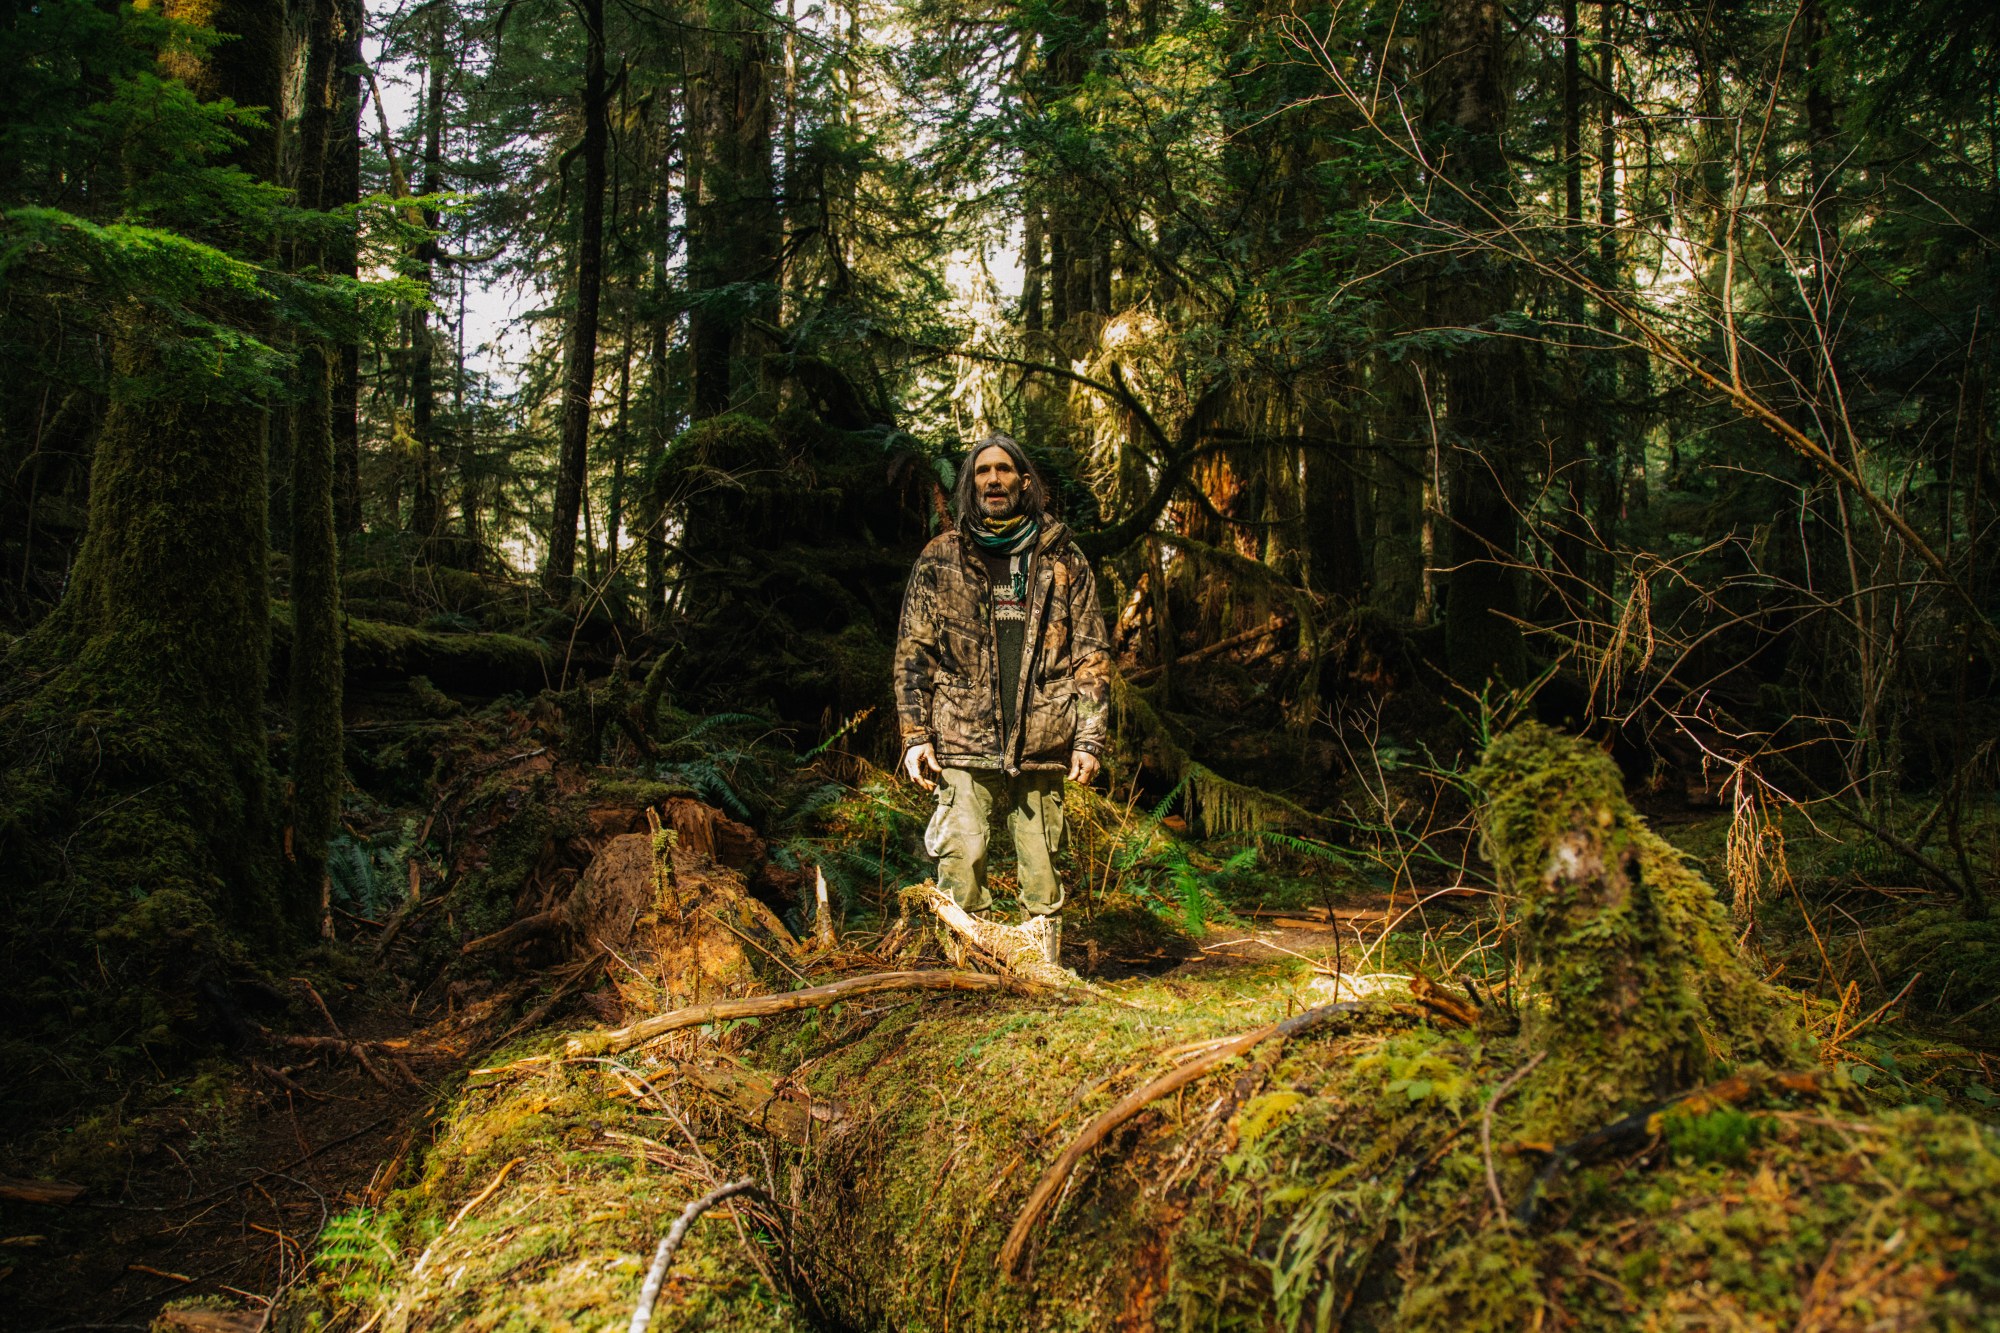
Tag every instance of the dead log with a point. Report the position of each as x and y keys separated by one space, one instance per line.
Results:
x=763 y=1006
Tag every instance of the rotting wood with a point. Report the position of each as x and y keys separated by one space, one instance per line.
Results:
x=210 y=1321
x=763 y=1006
x=39 y=1191
x=1173 y=1080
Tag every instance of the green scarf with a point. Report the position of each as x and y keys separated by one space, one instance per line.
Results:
x=1005 y=536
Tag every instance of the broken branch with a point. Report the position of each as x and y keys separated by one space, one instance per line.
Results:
x=663 y=1258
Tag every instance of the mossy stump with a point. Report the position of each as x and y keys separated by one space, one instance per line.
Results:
x=1638 y=989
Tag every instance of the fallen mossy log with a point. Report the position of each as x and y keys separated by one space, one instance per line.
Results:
x=1346 y=1178
x=376 y=652
x=1058 y=1172
x=763 y=1006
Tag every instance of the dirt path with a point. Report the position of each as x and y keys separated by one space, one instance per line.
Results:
x=227 y=1180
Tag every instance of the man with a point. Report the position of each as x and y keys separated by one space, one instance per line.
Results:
x=1002 y=673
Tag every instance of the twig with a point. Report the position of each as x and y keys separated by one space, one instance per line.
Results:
x=1058 y=1173
x=760 y=1006
x=492 y=1188
x=1843 y=1036
x=656 y=1277
x=1486 y=1127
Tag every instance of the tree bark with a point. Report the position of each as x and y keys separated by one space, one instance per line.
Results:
x=580 y=368
x=342 y=188
x=316 y=751
x=734 y=229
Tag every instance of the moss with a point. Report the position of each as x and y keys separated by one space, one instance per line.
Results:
x=137 y=813
x=1959 y=959
x=561 y=1245
x=1644 y=991
x=482 y=664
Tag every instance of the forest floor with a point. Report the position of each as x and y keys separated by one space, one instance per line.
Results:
x=482 y=1169
x=213 y=1190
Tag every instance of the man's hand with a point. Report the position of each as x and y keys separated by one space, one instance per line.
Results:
x=916 y=759
x=1082 y=766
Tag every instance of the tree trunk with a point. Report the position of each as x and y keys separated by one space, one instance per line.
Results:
x=140 y=842
x=1465 y=117
x=317 y=768
x=580 y=366
x=342 y=187
x=734 y=230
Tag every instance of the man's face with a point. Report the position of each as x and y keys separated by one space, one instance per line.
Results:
x=997 y=483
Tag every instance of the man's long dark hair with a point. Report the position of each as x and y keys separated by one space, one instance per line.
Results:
x=965 y=495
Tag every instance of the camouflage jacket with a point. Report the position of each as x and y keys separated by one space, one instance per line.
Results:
x=947 y=668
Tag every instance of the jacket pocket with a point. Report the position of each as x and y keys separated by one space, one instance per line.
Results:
x=962 y=718
x=1051 y=722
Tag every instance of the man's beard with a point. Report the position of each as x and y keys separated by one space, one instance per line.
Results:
x=1010 y=505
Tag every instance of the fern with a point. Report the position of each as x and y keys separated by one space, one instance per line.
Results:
x=355 y=1248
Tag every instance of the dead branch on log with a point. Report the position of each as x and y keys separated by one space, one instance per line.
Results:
x=663 y=1258
x=1173 y=1080
x=1013 y=949
x=1635 y=1131
x=1274 y=625
x=763 y=1006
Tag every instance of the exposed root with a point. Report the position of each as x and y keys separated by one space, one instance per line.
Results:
x=363 y=1053
x=761 y=1006
x=1015 y=949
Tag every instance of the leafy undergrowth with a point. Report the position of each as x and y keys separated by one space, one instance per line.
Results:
x=1384 y=1170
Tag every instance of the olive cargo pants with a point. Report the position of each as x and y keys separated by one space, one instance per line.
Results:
x=963 y=823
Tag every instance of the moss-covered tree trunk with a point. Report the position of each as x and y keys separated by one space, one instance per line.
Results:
x=315 y=651
x=137 y=819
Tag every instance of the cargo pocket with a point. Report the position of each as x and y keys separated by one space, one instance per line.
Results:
x=936 y=831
